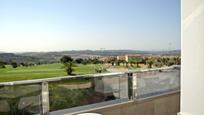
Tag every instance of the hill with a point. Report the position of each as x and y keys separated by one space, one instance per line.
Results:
x=10 y=57
x=55 y=56
x=95 y=53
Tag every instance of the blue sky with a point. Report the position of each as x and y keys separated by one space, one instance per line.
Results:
x=55 y=25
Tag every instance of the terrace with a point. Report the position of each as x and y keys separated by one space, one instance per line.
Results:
x=144 y=92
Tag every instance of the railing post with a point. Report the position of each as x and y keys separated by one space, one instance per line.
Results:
x=134 y=85
x=130 y=90
x=45 y=98
x=119 y=86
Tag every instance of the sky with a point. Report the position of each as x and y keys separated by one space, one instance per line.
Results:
x=58 y=25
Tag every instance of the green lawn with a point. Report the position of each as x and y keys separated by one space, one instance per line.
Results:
x=41 y=71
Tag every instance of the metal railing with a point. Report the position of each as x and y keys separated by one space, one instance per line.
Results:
x=70 y=94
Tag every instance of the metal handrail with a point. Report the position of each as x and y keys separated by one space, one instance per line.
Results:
x=82 y=76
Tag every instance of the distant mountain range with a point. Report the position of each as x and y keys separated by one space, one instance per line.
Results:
x=10 y=57
x=55 y=56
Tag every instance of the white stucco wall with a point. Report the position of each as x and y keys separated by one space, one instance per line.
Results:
x=192 y=69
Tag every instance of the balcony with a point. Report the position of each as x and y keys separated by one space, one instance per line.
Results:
x=145 y=92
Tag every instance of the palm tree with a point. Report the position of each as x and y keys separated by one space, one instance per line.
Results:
x=177 y=60
x=165 y=61
x=150 y=63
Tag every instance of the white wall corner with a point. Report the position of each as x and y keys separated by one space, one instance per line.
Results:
x=179 y=113
x=183 y=113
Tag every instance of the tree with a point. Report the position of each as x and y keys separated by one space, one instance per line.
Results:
x=69 y=68
x=165 y=60
x=68 y=64
x=22 y=64
x=31 y=64
x=95 y=61
x=100 y=69
x=85 y=61
x=2 y=64
x=39 y=63
x=177 y=60
x=150 y=63
x=14 y=64
x=26 y=64
x=135 y=61
x=66 y=59
x=138 y=61
x=131 y=61
x=144 y=61
x=79 y=60
x=112 y=61
x=171 y=62
x=118 y=62
x=123 y=62
x=158 y=62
